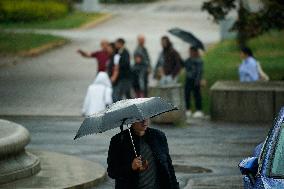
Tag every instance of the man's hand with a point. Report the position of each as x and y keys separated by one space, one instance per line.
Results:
x=137 y=164
x=82 y=53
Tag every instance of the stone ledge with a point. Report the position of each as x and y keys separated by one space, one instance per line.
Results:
x=18 y=167
x=61 y=171
x=233 y=101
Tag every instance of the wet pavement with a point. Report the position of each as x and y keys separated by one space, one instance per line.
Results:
x=205 y=154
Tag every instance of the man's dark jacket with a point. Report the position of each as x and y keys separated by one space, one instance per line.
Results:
x=121 y=155
x=124 y=65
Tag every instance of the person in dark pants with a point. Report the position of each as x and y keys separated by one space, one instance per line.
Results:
x=121 y=76
x=152 y=169
x=194 y=70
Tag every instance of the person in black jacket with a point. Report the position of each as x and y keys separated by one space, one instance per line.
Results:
x=151 y=169
x=121 y=77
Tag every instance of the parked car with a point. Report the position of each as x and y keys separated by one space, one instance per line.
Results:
x=266 y=169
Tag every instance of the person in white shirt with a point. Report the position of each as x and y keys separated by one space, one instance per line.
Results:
x=99 y=95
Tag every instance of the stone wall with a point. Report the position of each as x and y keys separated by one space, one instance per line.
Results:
x=246 y=102
x=175 y=95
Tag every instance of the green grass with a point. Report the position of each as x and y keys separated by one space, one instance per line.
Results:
x=14 y=43
x=222 y=60
x=73 y=20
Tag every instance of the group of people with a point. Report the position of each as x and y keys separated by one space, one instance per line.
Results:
x=116 y=77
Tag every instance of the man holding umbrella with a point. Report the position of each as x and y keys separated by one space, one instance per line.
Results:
x=194 y=70
x=152 y=169
x=138 y=157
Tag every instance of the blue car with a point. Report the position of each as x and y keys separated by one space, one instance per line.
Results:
x=266 y=169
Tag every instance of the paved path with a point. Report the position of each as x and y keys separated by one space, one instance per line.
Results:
x=200 y=146
x=55 y=82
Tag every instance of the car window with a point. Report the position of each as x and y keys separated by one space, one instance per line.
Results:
x=277 y=168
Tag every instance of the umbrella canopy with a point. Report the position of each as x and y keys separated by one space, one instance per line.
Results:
x=124 y=112
x=187 y=37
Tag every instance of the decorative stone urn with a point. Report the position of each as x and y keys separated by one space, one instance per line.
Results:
x=15 y=162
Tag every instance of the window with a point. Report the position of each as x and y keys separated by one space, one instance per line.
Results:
x=277 y=169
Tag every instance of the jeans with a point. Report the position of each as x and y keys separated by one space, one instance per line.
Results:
x=192 y=86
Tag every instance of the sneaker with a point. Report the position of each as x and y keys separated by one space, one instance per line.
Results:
x=198 y=114
x=188 y=113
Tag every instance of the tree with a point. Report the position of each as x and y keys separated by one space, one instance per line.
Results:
x=249 y=24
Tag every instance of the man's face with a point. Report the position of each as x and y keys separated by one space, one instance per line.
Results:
x=141 y=40
x=138 y=59
x=118 y=45
x=140 y=126
x=164 y=43
x=110 y=50
x=243 y=55
x=104 y=44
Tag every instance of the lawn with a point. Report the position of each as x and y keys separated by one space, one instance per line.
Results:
x=222 y=60
x=15 y=43
x=73 y=20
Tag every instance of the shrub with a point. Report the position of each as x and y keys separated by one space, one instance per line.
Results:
x=31 y=10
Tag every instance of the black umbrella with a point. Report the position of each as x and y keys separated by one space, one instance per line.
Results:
x=187 y=37
x=124 y=112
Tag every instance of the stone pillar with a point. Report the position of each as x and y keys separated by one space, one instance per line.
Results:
x=15 y=162
x=175 y=95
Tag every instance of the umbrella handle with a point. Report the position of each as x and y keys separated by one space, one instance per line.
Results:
x=132 y=141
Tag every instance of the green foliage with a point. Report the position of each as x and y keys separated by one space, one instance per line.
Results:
x=218 y=8
x=31 y=10
x=72 y=20
x=249 y=24
x=13 y=43
x=222 y=60
x=126 y=1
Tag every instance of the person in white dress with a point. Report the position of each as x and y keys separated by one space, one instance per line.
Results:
x=99 y=95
